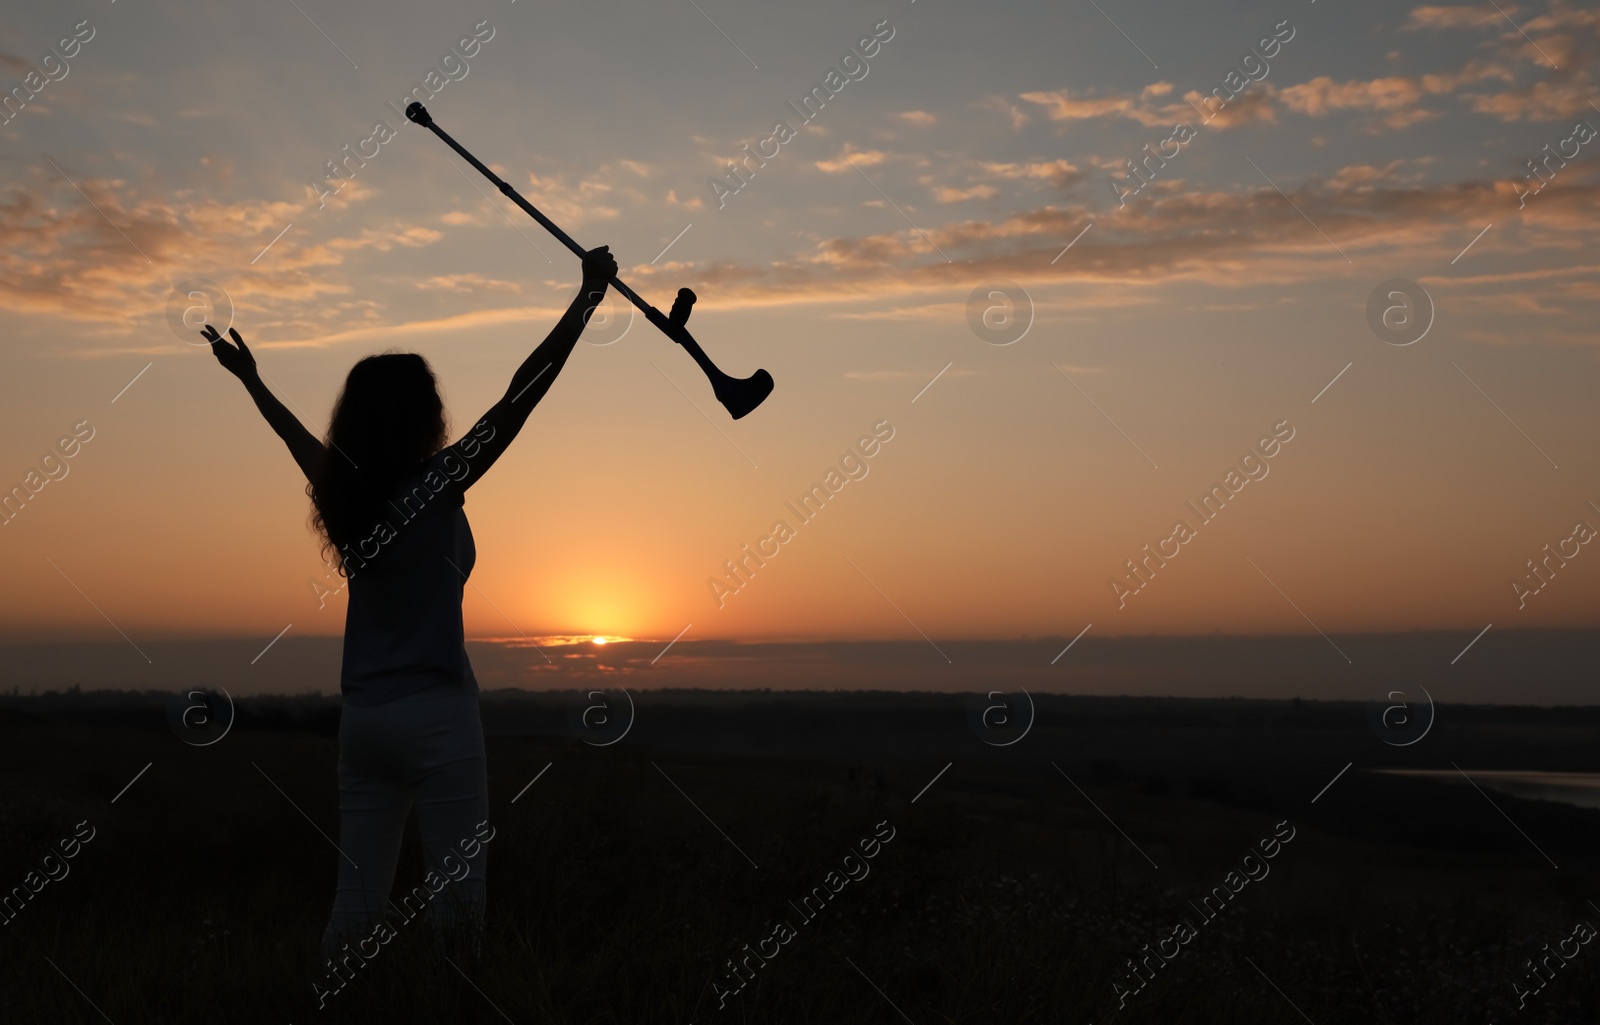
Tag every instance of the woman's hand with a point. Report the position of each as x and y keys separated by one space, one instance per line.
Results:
x=236 y=361
x=599 y=267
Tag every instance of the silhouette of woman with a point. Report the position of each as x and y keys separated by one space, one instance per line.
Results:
x=387 y=499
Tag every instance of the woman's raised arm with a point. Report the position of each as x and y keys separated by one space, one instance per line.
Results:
x=308 y=452
x=496 y=429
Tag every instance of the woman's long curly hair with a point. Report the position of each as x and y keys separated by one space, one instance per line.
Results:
x=387 y=421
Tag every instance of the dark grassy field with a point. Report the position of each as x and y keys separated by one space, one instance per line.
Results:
x=1015 y=888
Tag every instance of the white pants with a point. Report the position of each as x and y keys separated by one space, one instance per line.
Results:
x=424 y=749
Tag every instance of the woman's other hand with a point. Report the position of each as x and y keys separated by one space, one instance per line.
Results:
x=236 y=361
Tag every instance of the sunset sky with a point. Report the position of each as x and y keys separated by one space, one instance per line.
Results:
x=1182 y=325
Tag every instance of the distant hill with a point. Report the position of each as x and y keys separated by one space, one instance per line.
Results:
x=1526 y=667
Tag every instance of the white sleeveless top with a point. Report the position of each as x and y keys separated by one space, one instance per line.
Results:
x=403 y=631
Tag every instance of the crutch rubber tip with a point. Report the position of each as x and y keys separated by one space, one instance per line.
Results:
x=418 y=113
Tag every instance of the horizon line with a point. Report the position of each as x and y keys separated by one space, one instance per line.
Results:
x=573 y=637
